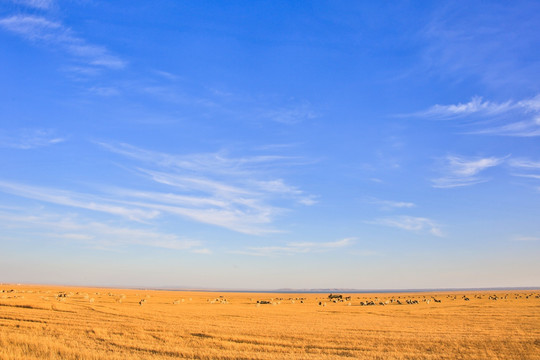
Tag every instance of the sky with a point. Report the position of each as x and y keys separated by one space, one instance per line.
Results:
x=267 y=145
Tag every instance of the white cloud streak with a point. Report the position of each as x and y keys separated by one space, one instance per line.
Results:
x=525 y=164
x=96 y=234
x=233 y=193
x=26 y=139
x=461 y=171
x=295 y=248
x=240 y=215
x=215 y=163
x=239 y=182
x=36 y=4
x=104 y=91
x=510 y=118
x=410 y=223
x=390 y=205
x=528 y=168
x=77 y=200
x=476 y=106
x=526 y=238
x=493 y=44
x=41 y=30
x=291 y=115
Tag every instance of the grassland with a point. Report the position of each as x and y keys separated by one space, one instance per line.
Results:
x=38 y=322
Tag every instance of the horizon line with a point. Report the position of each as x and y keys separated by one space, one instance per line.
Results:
x=285 y=290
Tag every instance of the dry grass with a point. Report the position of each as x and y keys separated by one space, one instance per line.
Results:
x=90 y=323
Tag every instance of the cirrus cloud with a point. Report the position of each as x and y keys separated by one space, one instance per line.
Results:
x=410 y=223
x=41 y=30
x=463 y=171
x=482 y=117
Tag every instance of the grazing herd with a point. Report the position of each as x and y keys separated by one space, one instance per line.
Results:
x=339 y=298
x=380 y=300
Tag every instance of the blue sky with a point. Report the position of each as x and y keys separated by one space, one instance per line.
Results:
x=262 y=145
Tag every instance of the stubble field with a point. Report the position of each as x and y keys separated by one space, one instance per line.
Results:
x=45 y=322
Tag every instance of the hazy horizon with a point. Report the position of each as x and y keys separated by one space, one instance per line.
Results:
x=275 y=290
x=240 y=145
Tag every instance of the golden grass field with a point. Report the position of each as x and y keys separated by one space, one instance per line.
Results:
x=39 y=322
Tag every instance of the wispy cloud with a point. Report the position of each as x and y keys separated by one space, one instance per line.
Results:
x=527 y=168
x=476 y=106
x=96 y=234
x=526 y=238
x=167 y=75
x=291 y=115
x=104 y=91
x=241 y=215
x=295 y=248
x=235 y=193
x=462 y=171
x=238 y=194
x=29 y=138
x=323 y=245
x=77 y=200
x=247 y=179
x=410 y=223
x=278 y=186
x=389 y=204
x=525 y=164
x=250 y=109
x=37 y=4
x=257 y=107
x=510 y=118
x=41 y=30
x=493 y=44
x=177 y=95
x=215 y=162
x=530 y=176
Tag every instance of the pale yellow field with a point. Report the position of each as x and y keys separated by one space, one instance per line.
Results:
x=91 y=323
